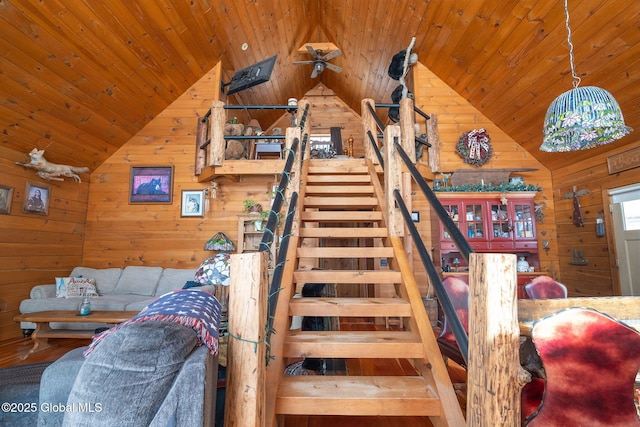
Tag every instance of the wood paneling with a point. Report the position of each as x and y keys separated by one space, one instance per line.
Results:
x=600 y=276
x=83 y=78
x=456 y=116
x=34 y=249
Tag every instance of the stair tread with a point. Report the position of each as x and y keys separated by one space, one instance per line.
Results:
x=347 y=276
x=350 y=307
x=357 y=395
x=346 y=252
x=341 y=216
x=353 y=344
x=335 y=232
x=335 y=201
x=338 y=189
x=336 y=178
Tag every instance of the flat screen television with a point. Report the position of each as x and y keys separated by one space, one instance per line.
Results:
x=257 y=73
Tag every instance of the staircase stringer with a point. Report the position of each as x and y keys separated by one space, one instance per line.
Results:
x=432 y=361
x=281 y=324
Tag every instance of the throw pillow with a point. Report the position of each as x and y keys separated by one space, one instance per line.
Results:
x=81 y=287
x=61 y=286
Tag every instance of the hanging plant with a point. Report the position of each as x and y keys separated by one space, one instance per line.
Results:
x=475 y=147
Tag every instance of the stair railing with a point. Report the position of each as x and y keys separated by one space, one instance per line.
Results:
x=447 y=307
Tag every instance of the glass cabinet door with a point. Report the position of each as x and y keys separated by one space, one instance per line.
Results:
x=500 y=221
x=475 y=221
x=454 y=211
x=523 y=220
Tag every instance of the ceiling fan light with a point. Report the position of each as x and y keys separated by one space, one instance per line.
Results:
x=582 y=118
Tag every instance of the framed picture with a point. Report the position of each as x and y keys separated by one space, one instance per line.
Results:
x=151 y=184
x=36 y=198
x=6 y=195
x=192 y=203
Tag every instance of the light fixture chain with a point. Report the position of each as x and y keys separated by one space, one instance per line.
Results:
x=576 y=79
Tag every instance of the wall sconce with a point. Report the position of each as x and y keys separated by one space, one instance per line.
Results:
x=545 y=246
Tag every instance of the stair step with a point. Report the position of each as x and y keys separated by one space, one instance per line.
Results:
x=350 y=307
x=341 y=216
x=342 y=232
x=341 y=202
x=339 y=189
x=345 y=252
x=353 y=344
x=347 y=276
x=362 y=395
x=337 y=178
x=355 y=169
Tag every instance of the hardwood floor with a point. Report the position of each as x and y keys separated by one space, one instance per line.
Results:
x=13 y=351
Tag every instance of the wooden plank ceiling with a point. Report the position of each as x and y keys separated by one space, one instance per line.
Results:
x=81 y=77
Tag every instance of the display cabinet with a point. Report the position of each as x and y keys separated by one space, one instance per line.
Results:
x=491 y=222
x=249 y=233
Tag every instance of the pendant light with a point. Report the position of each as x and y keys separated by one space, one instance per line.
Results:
x=583 y=117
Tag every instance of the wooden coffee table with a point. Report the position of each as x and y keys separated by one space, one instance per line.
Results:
x=43 y=331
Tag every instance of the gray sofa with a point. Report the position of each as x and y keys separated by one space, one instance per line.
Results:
x=149 y=373
x=130 y=289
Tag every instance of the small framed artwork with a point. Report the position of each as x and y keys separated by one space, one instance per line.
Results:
x=192 y=203
x=415 y=216
x=6 y=195
x=36 y=199
x=151 y=184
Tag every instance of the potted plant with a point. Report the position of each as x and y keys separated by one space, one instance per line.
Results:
x=264 y=217
x=251 y=206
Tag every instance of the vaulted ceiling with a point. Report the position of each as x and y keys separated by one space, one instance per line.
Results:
x=81 y=76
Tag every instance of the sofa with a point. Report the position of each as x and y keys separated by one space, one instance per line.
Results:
x=130 y=289
x=112 y=385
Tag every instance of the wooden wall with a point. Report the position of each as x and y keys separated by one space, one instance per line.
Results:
x=600 y=276
x=456 y=116
x=34 y=248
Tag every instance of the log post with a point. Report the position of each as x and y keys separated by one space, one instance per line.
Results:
x=368 y=124
x=217 y=144
x=246 y=363
x=408 y=143
x=433 y=138
x=495 y=378
x=393 y=180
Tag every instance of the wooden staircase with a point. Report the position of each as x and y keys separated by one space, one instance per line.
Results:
x=342 y=199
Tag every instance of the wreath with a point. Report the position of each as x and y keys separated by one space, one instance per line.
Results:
x=475 y=147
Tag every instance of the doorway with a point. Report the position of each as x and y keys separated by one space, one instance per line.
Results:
x=625 y=215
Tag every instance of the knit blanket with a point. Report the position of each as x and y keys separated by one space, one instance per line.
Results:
x=194 y=308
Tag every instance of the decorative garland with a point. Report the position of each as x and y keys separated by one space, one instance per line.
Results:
x=475 y=147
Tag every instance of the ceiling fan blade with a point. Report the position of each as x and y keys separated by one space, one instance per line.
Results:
x=333 y=67
x=315 y=73
x=312 y=52
x=332 y=54
x=302 y=62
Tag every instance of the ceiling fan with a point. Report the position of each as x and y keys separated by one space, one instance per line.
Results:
x=321 y=62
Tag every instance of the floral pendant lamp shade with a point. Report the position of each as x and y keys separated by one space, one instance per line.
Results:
x=582 y=118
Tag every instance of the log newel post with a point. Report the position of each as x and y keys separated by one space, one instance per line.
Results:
x=246 y=367
x=393 y=180
x=495 y=378
x=217 y=144
x=368 y=125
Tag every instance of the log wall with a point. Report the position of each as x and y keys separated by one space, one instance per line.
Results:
x=121 y=234
x=34 y=249
x=600 y=276
x=456 y=116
